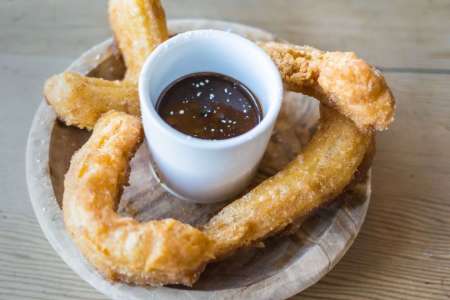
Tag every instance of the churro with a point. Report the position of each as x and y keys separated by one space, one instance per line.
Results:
x=168 y=251
x=139 y=26
x=320 y=173
x=338 y=79
x=79 y=100
x=156 y=252
x=355 y=101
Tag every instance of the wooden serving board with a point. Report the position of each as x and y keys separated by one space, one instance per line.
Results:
x=285 y=265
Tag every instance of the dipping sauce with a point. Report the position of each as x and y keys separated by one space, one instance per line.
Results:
x=209 y=106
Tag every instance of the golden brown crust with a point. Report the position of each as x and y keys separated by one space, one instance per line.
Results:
x=318 y=174
x=156 y=252
x=139 y=26
x=168 y=251
x=80 y=101
x=338 y=79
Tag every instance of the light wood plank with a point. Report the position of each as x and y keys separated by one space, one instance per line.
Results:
x=391 y=34
x=402 y=252
x=398 y=33
x=21 y=79
x=30 y=269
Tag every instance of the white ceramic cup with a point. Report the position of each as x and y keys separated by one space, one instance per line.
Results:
x=201 y=170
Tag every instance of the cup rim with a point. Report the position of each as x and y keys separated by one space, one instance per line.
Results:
x=266 y=123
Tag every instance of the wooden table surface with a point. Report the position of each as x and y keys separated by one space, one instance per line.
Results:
x=403 y=251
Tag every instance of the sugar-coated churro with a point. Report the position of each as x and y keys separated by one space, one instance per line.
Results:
x=338 y=79
x=355 y=101
x=80 y=101
x=156 y=252
x=139 y=26
x=320 y=173
x=168 y=251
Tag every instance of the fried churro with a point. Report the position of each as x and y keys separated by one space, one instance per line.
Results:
x=168 y=251
x=79 y=100
x=139 y=26
x=320 y=173
x=338 y=79
x=355 y=101
x=156 y=252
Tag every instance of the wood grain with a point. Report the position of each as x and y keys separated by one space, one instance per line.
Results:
x=402 y=251
x=268 y=272
x=29 y=268
x=399 y=33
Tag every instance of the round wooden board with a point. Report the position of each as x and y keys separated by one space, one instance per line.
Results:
x=287 y=264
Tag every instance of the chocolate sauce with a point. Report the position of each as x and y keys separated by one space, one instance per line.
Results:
x=209 y=106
